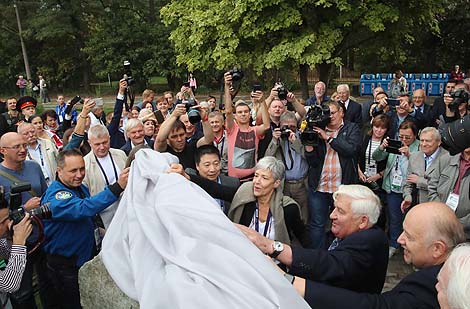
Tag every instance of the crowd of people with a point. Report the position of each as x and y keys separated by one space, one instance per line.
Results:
x=331 y=210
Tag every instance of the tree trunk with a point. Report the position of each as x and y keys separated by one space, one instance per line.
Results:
x=86 y=76
x=324 y=73
x=151 y=13
x=303 y=72
x=170 y=79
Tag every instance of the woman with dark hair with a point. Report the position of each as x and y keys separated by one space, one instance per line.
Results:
x=38 y=125
x=149 y=128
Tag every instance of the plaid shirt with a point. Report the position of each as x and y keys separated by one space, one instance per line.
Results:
x=330 y=179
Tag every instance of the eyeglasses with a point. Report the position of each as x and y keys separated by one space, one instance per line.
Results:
x=418 y=97
x=16 y=147
x=405 y=137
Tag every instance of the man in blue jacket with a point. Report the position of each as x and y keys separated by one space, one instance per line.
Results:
x=71 y=231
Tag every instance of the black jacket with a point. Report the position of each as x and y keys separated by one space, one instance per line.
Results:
x=347 y=144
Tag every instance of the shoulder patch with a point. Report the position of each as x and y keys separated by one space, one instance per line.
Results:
x=63 y=195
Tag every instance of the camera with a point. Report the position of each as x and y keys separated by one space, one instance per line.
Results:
x=317 y=116
x=282 y=92
x=285 y=132
x=459 y=96
x=393 y=146
x=128 y=73
x=237 y=74
x=193 y=113
x=393 y=102
x=75 y=100
x=17 y=212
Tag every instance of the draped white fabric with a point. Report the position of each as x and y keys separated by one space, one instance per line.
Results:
x=170 y=246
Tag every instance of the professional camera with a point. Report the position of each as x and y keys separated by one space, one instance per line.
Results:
x=285 y=132
x=282 y=92
x=460 y=96
x=193 y=113
x=237 y=74
x=17 y=212
x=456 y=135
x=317 y=116
x=128 y=73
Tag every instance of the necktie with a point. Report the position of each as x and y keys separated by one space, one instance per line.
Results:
x=334 y=244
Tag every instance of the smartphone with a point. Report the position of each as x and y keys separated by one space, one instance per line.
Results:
x=393 y=146
x=186 y=84
x=256 y=88
x=159 y=116
x=393 y=102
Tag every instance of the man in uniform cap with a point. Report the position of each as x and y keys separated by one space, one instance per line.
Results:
x=27 y=106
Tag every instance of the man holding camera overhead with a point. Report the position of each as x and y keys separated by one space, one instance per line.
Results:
x=16 y=169
x=172 y=135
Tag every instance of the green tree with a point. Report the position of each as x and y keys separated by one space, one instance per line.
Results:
x=276 y=33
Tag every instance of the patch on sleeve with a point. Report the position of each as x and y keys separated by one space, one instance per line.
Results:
x=63 y=195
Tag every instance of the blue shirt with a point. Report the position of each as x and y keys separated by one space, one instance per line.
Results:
x=31 y=173
x=70 y=232
x=60 y=111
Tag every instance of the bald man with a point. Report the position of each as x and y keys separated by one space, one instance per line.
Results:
x=420 y=106
x=430 y=231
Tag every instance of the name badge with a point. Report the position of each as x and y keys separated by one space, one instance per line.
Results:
x=371 y=170
x=61 y=119
x=452 y=201
x=396 y=183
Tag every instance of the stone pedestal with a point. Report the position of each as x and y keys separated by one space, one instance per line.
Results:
x=98 y=290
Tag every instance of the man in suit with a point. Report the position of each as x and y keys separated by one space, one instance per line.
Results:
x=353 y=111
x=103 y=165
x=207 y=159
x=419 y=99
x=356 y=259
x=422 y=166
x=135 y=132
x=430 y=232
x=43 y=151
x=439 y=107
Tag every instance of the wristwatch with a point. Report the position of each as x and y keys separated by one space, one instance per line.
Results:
x=278 y=247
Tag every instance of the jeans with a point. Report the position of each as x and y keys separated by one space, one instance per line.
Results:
x=319 y=204
x=65 y=279
x=395 y=217
x=24 y=297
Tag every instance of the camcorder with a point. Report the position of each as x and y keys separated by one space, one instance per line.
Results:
x=193 y=113
x=128 y=73
x=17 y=212
x=456 y=135
x=317 y=116
x=459 y=96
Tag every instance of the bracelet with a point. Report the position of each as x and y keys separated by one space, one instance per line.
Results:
x=80 y=115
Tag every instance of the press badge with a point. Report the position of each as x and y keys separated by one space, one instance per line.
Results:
x=453 y=201
x=371 y=170
x=61 y=119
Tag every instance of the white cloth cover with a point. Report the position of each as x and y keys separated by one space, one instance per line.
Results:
x=170 y=246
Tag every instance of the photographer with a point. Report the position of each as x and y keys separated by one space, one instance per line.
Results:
x=13 y=251
x=287 y=147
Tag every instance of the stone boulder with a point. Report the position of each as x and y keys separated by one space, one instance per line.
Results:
x=98 y=290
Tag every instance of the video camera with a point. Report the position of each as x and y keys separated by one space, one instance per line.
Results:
x=17 y=212
x=459 y=96
x=317 y=116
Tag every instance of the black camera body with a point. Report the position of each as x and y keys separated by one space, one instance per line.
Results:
x=317 y=116
x=459 y=96
x=193 y=113
x=393 y=146
x=237 y=74
x=282 y=92
x=17 y=212
x=285 y=132
x=128 y=73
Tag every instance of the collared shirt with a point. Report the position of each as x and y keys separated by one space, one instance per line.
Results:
x=296 y=166
x=346 y=103
x=10 y=276
x=428 y=159
x=330 y=178
x=37 y=155
x=464 y=165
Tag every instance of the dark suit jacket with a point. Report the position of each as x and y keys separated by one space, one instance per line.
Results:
x=127 y=147
x=359 y=263
x=354 y=112
x=366 y=117
x=414 y=291
x=426 y=117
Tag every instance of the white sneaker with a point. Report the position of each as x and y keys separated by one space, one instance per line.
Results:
x=391 y=251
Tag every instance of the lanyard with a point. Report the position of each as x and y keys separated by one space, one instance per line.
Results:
x=217 y=142
x=268 y=220
x=290 y=156
x=370 y=150
x=40 y=155
x=102 y=169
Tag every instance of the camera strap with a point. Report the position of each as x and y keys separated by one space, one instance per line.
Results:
x=290 y=157
x=16 y=180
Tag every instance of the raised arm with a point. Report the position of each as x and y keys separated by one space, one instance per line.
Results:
x=113 y=127
x=208 y=137
x=165 y=129
x=228 y=101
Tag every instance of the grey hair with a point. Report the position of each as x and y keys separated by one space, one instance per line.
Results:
x=22 y=126
x=272 y=164
x=363 y=201
x=435 y=133
x=288 y=116
x=132 y=123
x=98 y=131
x=345 y=86
x=458 y=288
